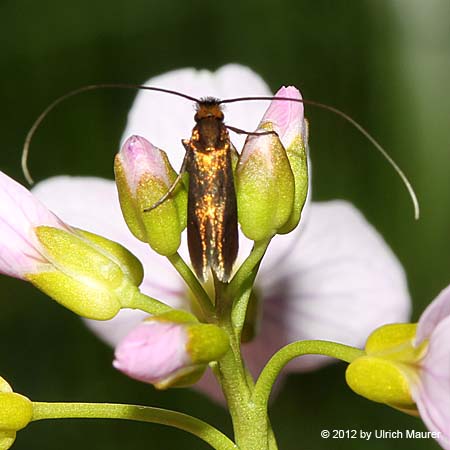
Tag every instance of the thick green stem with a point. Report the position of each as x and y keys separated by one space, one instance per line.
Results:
x=201 y=429
x=147 y=304
x=250 y=423
x=273 y=368
x=200 y=295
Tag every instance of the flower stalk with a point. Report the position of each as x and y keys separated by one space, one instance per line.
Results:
x=273 y=368
x=209 y=434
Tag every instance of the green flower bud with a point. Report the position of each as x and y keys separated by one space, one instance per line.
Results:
x=16 y=412
x=287 y=119
x=388 y=370
x=170 y=350
x=88 y=274
x=265 y=186
x=143 y=177
x=296 y=154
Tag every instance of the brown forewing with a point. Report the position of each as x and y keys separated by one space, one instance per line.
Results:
x=212 y=210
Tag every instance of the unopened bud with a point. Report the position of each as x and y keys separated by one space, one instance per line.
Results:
x=287 y=119
x=265 y=185
x=86 y=273
x=170 y=350
x=90 y=275
x=143 y=177
x=16 y=412
x=388 y=370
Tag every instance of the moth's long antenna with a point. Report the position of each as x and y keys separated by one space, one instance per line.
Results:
x=355 y=124
x=38 y=121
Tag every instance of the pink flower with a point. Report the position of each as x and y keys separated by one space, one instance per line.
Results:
x=140 y=159
x=432 y=392
x=170 y=349
x=154 y=352
x=332 y=278
x=143 y=175
x=287 y=117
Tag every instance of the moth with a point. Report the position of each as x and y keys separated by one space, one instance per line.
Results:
x=212 y=222
x=212 y=225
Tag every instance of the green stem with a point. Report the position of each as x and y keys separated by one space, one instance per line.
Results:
x=204 y=431
x=250 y=424
x=146 y=303
x=240 y=303
x=246 y=269
x=273 y=368
x=194 y=285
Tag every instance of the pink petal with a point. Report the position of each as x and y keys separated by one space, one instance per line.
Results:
x=338 y=281
x=287 y=117
x=20 y=213
x=432 y=393
x=437 y=310
x=139 y=157
x=153 y=351
x=166 y=119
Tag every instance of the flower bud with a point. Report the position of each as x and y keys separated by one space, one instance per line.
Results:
x=388 y=370
x=86 y=273
x=143 y=176
x=379 y=380
x=264 y=184
x=16 y=412
x=170 y=350
x=91 y=275
x=287 y=119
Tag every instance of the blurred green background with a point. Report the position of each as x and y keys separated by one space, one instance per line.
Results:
x=386 y=63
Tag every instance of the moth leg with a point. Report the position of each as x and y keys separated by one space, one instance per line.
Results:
x=172 y=187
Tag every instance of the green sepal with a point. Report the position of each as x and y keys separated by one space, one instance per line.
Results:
x=265 y=188
x=16 y=411
x=390 y=366
x=4 y=386
x=183 y=378
x=76 y=256
x=297 y=156
x=7 y=439
x=161 y=228
x=86 y=298
x=381 y=381
x=129 y=264
x=396 y=342
x=206 y=343
x=131 y=214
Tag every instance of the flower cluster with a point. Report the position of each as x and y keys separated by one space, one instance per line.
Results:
x=328 y=276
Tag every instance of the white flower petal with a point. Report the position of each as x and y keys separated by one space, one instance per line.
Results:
x=339 y=281
x=437 y=310
x=165 y=119
x=432 y=394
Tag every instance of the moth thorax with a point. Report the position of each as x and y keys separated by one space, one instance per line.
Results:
x=209 y=108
